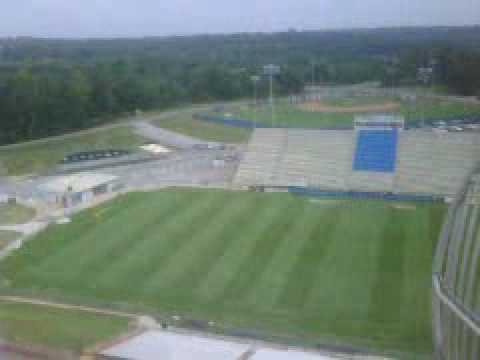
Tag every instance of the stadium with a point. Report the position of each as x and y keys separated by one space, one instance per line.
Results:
x=377 y=157
x=321 y=239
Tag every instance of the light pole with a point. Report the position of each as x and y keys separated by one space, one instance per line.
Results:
x=313 y=74
x=255 y=79
x=313 y=95
x=271 y=70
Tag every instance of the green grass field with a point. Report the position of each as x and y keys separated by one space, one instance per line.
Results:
x=37 y=156
x=185 y=124
x=290 y=115
x=64 y=329
x=15 y=214
x=357 y=101
x=351 y=272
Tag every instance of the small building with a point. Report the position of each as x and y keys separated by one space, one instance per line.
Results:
x=425 y=74
x=76 y=189
x=379 y=122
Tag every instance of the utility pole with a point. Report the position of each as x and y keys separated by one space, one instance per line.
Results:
x=271 y=70
x=255 y=79
x=313 y=74
x=313 y=94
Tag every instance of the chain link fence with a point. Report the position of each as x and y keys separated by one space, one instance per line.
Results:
x=456 y=280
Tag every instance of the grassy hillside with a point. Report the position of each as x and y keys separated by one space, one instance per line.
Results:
x=184 y=123
x=15 y=214
x=355 y=272
x=37 y=156
x=64 y=329
x=6 y=237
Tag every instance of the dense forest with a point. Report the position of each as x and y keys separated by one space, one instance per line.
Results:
x=50 y=86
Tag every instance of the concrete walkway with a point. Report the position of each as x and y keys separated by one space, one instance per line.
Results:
x=166 y=137
x=25 y=229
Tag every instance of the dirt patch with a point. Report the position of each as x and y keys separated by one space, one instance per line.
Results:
x=404 y=207
x=318 y=106
x=326 y=202
x=16 y=350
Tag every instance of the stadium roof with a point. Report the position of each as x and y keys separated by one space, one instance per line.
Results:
x=76 y=182
x=153 y=345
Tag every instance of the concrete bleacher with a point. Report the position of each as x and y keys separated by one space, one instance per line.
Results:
x=262 y=157
x=297 y=157
x=371 y=181
x=423 y=163
x=435 y=163
x=316 y=158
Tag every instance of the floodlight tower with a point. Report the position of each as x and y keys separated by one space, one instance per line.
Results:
x=255 y=80
x=271 y=70
x=313 y=94
x=313 y=64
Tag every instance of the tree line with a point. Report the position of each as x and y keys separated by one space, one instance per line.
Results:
x=50 y=87
x=50 y=98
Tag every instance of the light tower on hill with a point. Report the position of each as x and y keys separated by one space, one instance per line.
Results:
x=270 y=71
x=255 y=80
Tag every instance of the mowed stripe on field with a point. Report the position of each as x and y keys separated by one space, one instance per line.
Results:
x=260 y=256
x=342 y=290
x=352 y=270
x=302 y=276
x=79 y=250
x=388 y=287
x=148 y=250
x=416 y=325
x=244 y=241
x=126 y=246
x=266 y=291
x=78 y=243
x=207 y=243
x=184 y=236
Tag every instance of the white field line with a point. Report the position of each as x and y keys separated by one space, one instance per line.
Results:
x=56 y=305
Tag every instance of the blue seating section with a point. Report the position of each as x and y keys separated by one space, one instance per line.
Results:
x=376 y=151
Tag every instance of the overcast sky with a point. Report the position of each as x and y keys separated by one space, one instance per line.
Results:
x=128 y=18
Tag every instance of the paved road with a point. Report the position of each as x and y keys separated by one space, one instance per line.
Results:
x=120 y=123
x=194 y=167
x=183 y=168
x=167 y=137
x=26 y=229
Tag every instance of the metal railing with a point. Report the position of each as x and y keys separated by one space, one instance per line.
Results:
x=456 y=278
